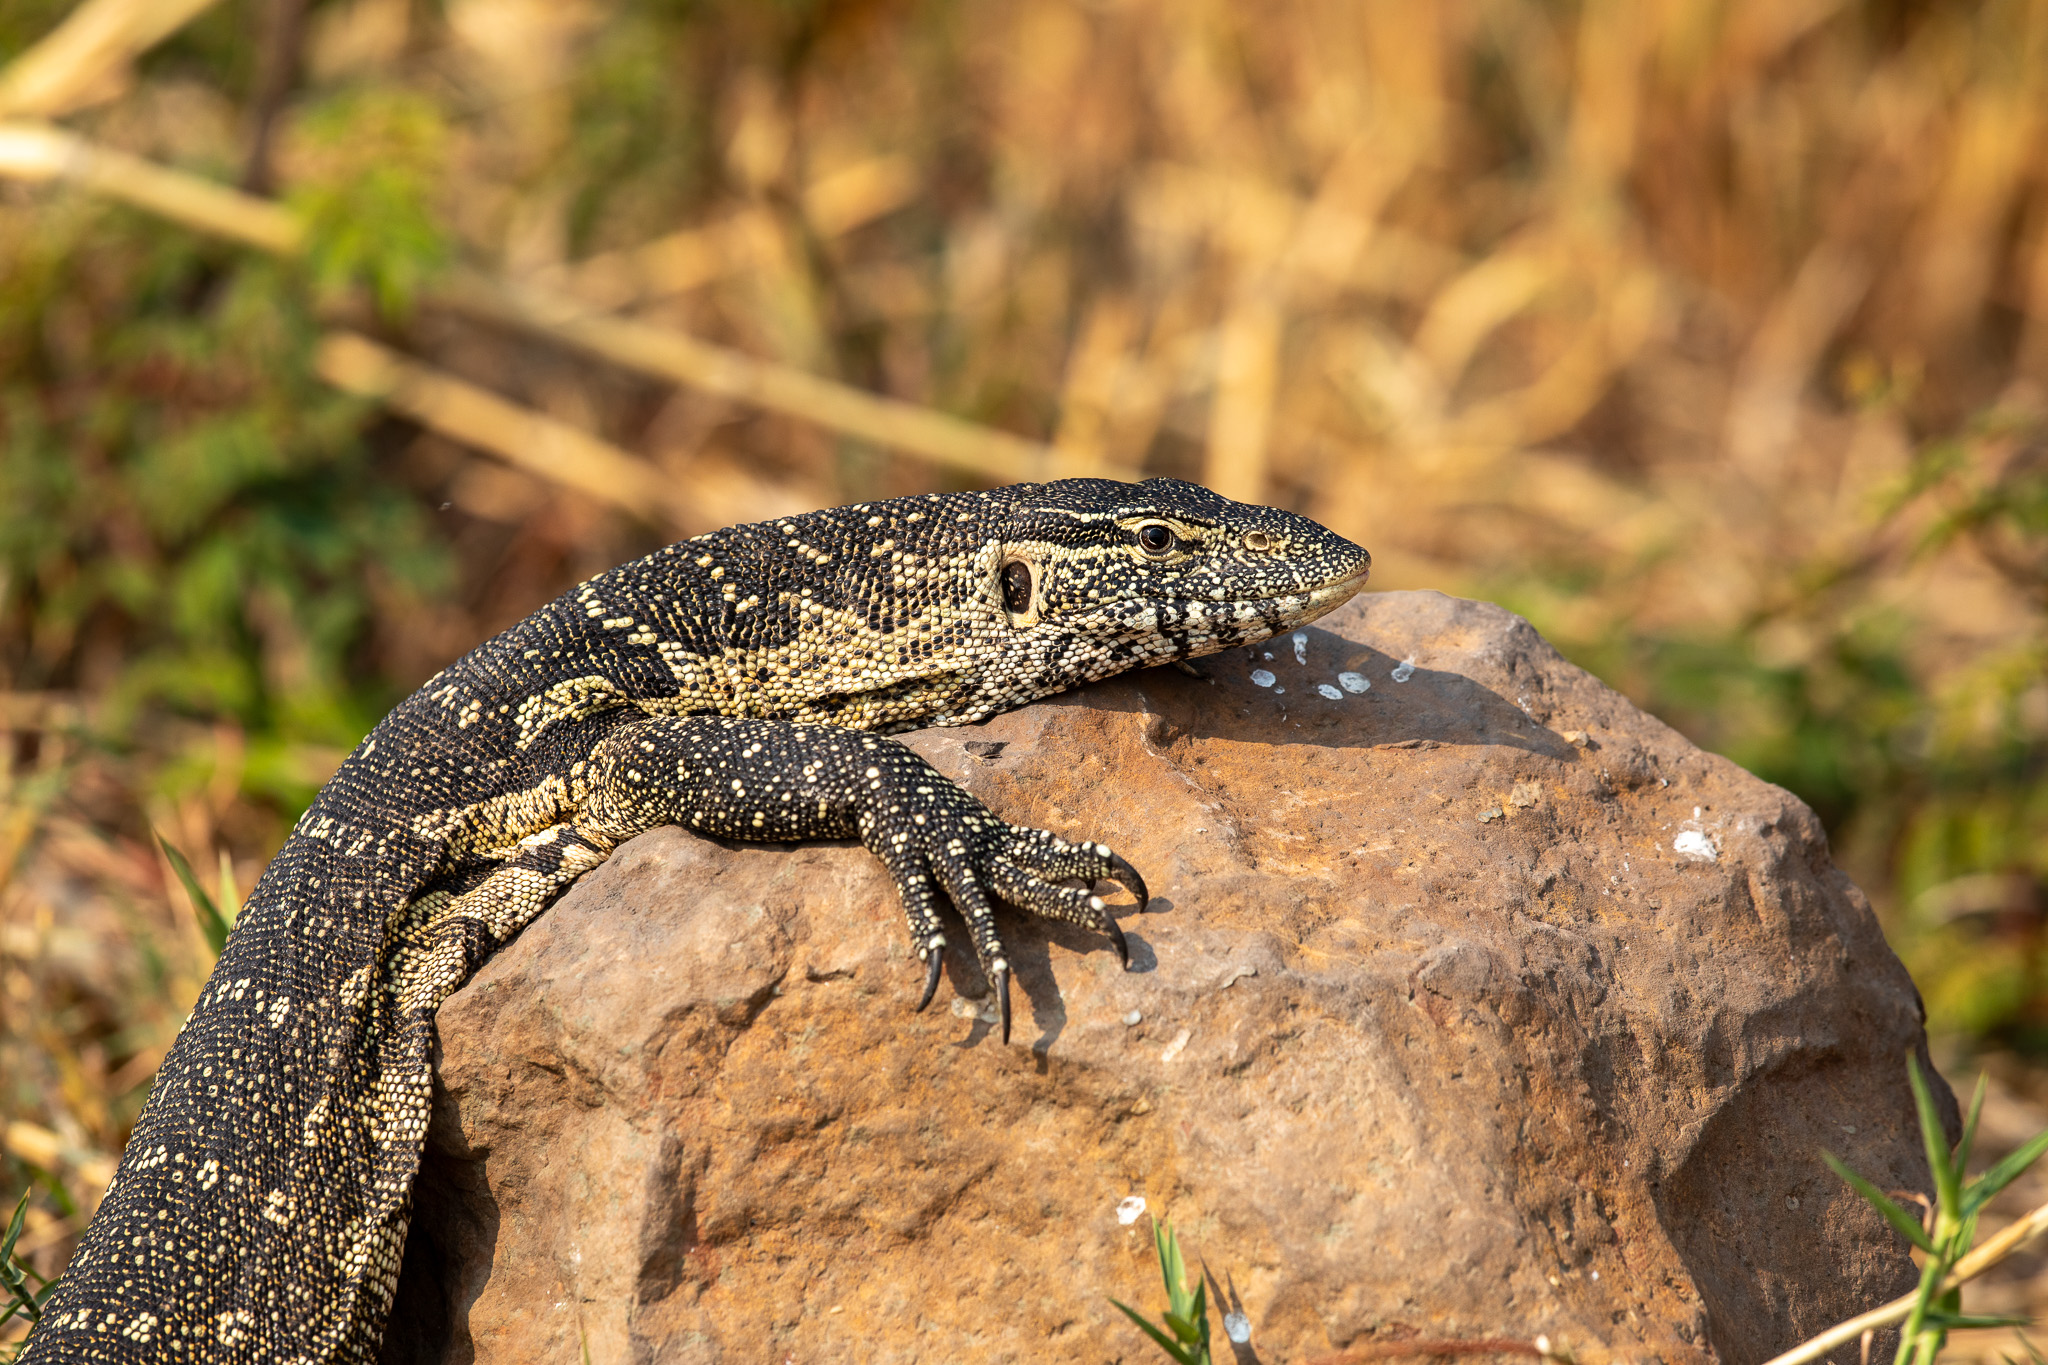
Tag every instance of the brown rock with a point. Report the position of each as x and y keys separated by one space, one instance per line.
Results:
x=1476 y=1004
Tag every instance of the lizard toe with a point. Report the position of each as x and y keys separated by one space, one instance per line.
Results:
x=1057 y=859
x=1043 y=858
x=1121 y=872
x=1116 y=936
x=1001 y=973
x=1048 y=900
x=963 y=883
x=934 y=963
x=922 y=899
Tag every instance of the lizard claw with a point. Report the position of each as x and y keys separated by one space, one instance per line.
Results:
x=1127 y=876
x=1002 y=984
x=1116 y=936
x=931 y=978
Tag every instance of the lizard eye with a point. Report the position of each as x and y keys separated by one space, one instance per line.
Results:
x=1017 y=587
x=1156 y=538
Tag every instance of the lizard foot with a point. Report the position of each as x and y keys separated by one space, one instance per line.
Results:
x=952 y=849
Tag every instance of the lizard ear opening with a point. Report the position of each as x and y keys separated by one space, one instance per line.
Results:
x=1020 y=582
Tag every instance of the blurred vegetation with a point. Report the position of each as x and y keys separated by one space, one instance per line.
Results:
x=1710 y=334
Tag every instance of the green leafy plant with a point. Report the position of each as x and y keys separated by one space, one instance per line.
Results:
x=1946 y=1236
x=368 y=209
x=1187 y=1311
x=22 y=1300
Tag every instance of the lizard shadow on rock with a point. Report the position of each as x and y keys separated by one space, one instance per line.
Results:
x=449 y=1250
x=1432 y=704
x=1035 y=975
x=1026 y=941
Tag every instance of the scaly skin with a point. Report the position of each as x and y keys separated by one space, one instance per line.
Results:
x=738 y=684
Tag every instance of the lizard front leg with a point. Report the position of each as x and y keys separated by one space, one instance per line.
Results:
x=779 y=781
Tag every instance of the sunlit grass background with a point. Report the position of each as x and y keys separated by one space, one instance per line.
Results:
x=1712 y=335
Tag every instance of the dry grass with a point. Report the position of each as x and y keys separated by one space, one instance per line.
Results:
x=1641 y=316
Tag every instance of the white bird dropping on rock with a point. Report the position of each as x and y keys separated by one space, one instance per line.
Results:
x=1404 y=670
x=1354 y=682
x=1128 y=1211
x=1695 y=844
x=1332 y=693
x=1263 y=677
x=1237 y=1327
x=1300 y=647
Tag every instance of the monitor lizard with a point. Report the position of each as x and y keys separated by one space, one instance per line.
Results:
x=741 y=684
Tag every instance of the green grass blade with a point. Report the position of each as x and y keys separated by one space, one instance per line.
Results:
x=203 y=909
x=1164 y=1342
x=1948 y=1190
x=1167 y=1246
x=1910 y=1335
x=1186 y=1315
x=2004 y=1173
x=25 y=1303
x=1190 y=1322
x=1951 y=1322
x=1969 y=1139
x=14 y=1230
x=1966 y=1237
x=230 y=894
x=1908 y=1226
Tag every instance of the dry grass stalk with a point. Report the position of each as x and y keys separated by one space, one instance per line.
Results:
x=39 y=152
x=85 y=59
x=33 y=152
x=613 y=281
x=553 y=450
x=40 y=1147
x=545 y=446
x=40 y=710
x=669 y=354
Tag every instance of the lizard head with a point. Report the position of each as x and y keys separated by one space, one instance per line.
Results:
x=1094 y=577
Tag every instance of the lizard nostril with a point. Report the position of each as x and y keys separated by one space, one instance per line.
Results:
x=1258 y=540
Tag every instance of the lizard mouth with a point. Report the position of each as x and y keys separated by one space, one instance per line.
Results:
x=1306 y=603
x=1339 y=591
x=1247 y=620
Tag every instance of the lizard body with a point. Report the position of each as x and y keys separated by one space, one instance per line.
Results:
x=740 y=684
